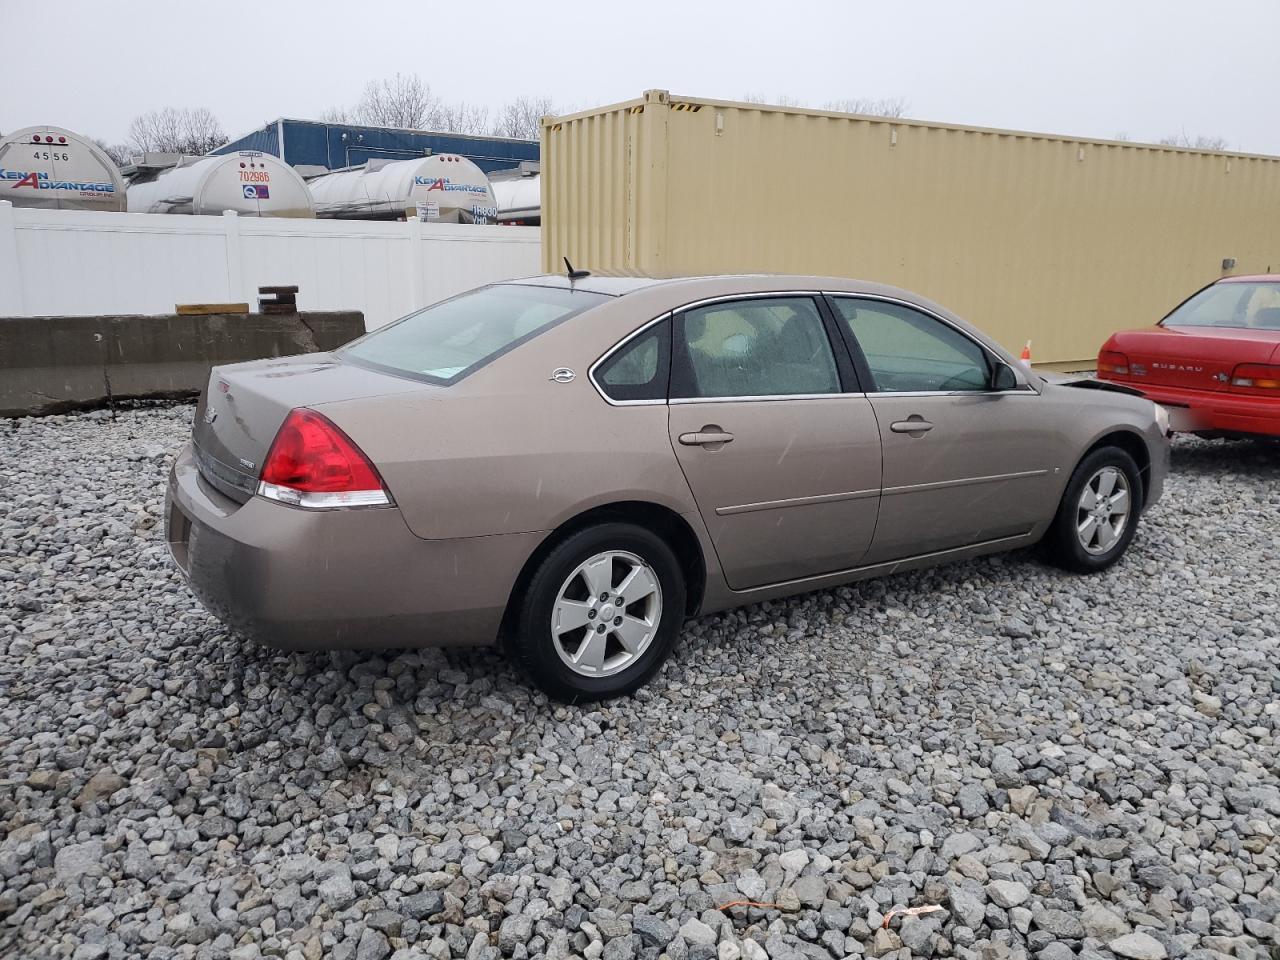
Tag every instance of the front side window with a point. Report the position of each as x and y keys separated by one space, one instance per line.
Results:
x=1250 y=305
x=450 y=339
x=909 y=351
x=767 y=347
x=638 y=369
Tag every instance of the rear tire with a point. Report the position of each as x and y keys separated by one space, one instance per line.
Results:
x=600 y=614
x=1098 y=515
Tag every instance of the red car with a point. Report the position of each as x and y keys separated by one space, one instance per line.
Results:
x=1214 y=361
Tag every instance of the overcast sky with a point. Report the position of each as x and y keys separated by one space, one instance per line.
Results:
x=1145 y=68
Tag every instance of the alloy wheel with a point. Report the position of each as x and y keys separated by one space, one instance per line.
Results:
x=606 y=613
x=1103 y=511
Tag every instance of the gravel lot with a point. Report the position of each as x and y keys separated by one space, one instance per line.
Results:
x=1066 y=766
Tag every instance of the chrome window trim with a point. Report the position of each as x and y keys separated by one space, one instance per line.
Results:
x=1023 y=387
x=755 y=398
x=762 y=295
x=692 y=305
x=1024 y=391
x=591 y=371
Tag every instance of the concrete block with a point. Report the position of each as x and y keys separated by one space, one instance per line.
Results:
x=56 y=364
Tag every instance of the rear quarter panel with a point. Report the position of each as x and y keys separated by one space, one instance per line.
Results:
x=509 y=450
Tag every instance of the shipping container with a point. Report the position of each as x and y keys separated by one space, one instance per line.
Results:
x=1053 y=239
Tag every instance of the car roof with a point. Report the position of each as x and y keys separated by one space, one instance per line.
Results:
x=1255 y=278
x=618 y=284
x=612 y=285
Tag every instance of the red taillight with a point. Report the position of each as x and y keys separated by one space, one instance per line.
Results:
x=1256 y=378
x=312 y=463
x=1113 y=363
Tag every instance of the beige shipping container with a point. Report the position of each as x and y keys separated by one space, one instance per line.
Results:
x=1031 y=236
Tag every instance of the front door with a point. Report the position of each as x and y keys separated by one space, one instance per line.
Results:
x=963 y=463
x=784 y=463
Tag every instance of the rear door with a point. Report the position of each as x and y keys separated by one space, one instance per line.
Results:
x=963 y=464
x=780 y=449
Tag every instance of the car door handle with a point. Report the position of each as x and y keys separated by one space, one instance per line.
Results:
x=915 y=425
x=705 y=437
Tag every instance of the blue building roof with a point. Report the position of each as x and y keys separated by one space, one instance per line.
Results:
x=337 y=145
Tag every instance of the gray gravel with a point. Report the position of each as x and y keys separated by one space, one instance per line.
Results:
x=1068 y=766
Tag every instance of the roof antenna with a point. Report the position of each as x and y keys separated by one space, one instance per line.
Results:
x=574 y=274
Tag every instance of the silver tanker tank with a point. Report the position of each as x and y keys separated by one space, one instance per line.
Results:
x=519 y=199
x=56 y=169
x=444 y=187
x=251 y=183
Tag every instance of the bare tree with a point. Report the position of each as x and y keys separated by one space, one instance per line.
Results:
x=405 y=100
x=118 y=152
x=337 y=115
x=400 y=101
x=189 y=130
x=781 y=100
x=1198 y=142
x=1122 y=136
x=870 y=106
x=466 y=118
x=521 y=118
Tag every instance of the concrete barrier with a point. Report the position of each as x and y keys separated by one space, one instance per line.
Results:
x=55 y=364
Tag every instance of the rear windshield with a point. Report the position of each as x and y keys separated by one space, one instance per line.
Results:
x=448 y=340
x=1253 y=305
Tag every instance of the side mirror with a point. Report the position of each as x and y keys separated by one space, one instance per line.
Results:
x=1003 y=377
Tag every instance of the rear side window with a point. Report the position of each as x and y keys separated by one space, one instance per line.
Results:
x=447 y=341
x=909 y=351
x=638 y=369
x=776 y=346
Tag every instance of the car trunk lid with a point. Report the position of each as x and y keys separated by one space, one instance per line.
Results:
x=244 y=404
x=1194 y=358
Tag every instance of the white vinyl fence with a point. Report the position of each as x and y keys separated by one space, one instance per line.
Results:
x=67 y=262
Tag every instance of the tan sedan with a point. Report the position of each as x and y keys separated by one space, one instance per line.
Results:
x=576 y=465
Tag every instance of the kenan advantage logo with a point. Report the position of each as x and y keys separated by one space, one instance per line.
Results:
x=40 y=181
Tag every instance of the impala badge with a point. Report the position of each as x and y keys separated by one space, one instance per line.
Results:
x=563 y=375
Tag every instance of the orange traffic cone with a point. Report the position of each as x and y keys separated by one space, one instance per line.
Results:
x=1026 y=355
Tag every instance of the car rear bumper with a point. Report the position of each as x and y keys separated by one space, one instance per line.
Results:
x=335 y=579
x=1198 y=411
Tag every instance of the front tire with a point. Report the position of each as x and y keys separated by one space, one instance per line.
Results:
x=600 y=614
x=1098 y=515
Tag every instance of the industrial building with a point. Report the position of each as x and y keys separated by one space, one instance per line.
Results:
x=317 y=146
